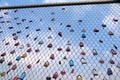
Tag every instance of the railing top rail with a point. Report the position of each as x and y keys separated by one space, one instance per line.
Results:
x=61 y=4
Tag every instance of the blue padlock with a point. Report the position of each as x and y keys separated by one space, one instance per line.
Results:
x=109 y=72
x=83 y=35
x=71 y=63
x=18 y=58
x=22 y=76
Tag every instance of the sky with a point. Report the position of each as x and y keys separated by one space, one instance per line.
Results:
x=92 y=16
x=28 y=2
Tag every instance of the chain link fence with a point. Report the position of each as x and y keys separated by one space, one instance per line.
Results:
x=72 y=42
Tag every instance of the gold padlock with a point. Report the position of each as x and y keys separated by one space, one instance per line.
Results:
x=79 y=77
x=2 y=74
x=46 y=64
x=24 y=55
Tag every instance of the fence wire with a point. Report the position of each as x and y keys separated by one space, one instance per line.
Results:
x=79 y=42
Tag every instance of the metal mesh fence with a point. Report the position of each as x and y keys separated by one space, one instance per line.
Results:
x=77 y=42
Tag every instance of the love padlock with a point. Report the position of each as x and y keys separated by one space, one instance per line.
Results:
x=79 y=77
x=55 y=75
x=29 y=66
x=52 y=57
x=63 y=72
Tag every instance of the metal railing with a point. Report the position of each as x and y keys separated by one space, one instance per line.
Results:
x=61 y=41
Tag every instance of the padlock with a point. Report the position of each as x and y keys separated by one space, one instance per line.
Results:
x=65 y=57
x=95 y=30
x=29 y=49
x=24 y=55
x=12 y=52
x=14 y=67
x=52 y=57
x=48 y=78
x=71 y=63
x=59 y=49
x=49 y=45
x=37 y=50
x=2 y=74
x=38 y=61
x=60 y=34
x=55 y=75
x=115 y=46
x=21 y=46
x=101 y=61
x=16 y=78
x=68 y=43
x=16 y=44
x=2 y=60
x=35 y=38
x=81 y=44
x=15 y=37
x=94 y=72
x=110 y=33
x=83 y=61
x=8 y=71
x=9 y=63
x=118 y=65
x=113 y=52
x=22 y=76
x=67 y=49
x=46 y=64
x=29 y=66
x=95 y=52
x=18 y=58
x=109 y=72
x=59 y=62
x=41 y=42
x=83 y=53
x=83 y=36
x=3 y=54
x=72 y=71
x=111 y=61
x=63 y=72
x=79 y=77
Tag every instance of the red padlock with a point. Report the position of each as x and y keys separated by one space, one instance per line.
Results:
x=111 y=61
x=12 y=52
x=52 y=57
x=59 y=49
x=113 y=52
x=101 y=61
x=55 y=75
x=81 y=44
x=63 y=72
x=29 y=66
x=72 y=71
x=14 y=67
x=83 y=53
x=15 y=37
x=15 y=78
x=29 y=50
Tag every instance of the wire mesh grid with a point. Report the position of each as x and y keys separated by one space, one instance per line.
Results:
x=60 y=43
